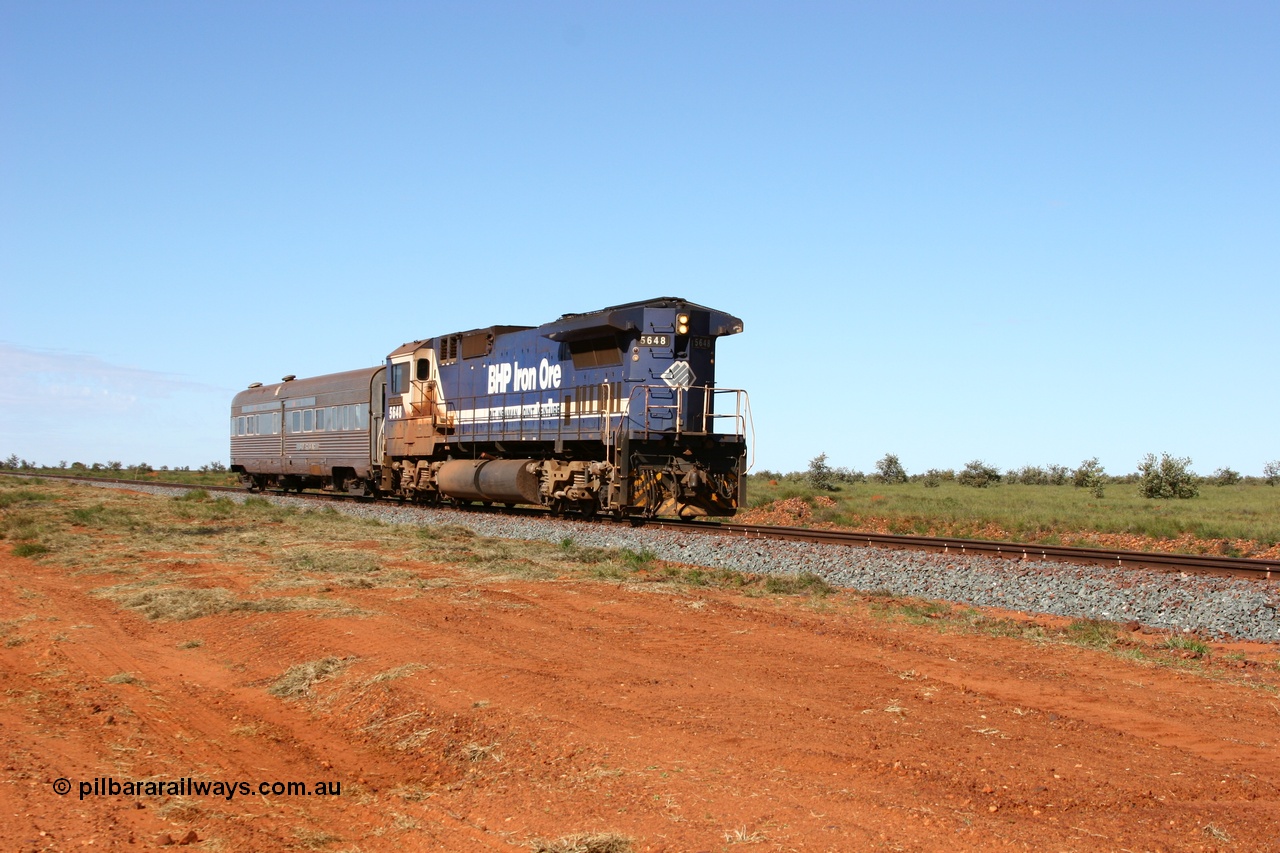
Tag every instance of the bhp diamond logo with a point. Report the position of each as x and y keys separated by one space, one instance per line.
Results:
x=678 y=375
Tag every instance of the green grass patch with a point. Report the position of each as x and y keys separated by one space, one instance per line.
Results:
x=1035 y=513
x=13 y=497
x=1191 y=646
x=1092 y=633
x=637 y=560
x=805 y=583
x=30 y=549
x=102 y=517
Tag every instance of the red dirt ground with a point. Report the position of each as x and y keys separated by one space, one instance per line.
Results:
x=512 y=710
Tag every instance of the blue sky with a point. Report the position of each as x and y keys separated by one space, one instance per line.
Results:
x=1023 y=232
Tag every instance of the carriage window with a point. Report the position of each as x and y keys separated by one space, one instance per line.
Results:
x=319 y=420
x=239 y=426
x=275 y=424
x=308 y=419
x=332 y=418
x=295 y=421
x=362 y=418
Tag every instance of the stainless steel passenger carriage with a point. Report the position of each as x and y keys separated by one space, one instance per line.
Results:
x=319 y=433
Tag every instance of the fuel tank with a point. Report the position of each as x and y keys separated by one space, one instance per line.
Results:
x=496 y=480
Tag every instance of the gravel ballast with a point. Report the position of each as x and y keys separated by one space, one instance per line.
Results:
x=1208 y=605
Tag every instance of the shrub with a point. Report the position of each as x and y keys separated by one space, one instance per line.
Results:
x=1029 y=475
x=1166 y=478
x=1226 y=477
x=1090 y=475
x=890 y=470
x=978 y=474
x=820 y=475
x=933 y=478
x=848 y=475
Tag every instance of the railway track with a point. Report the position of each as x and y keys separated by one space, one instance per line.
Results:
x=1255 y=569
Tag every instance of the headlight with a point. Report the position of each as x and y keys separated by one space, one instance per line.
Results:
x=682 y=324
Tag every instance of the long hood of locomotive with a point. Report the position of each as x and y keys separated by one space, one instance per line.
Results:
x=586 y=372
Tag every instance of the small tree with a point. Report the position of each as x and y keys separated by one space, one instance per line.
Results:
x=1271 y=472
x=978 y=474
x=820 y=474
x=890 y=470
x=1090 y=475
x=1057 y=475
x=1166 y=478
x=1226 y=477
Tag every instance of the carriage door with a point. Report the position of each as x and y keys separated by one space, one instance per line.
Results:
x=377 y=405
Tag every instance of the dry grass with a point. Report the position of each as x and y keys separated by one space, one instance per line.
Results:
x=179 y=604
x=300 y=678
x=588 y=842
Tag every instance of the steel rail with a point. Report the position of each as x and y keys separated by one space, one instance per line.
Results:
x=1256 y=569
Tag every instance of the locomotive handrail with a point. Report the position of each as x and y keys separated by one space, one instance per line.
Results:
x=740 y=415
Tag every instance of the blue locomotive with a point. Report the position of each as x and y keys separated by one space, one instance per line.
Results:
x=609 y=411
